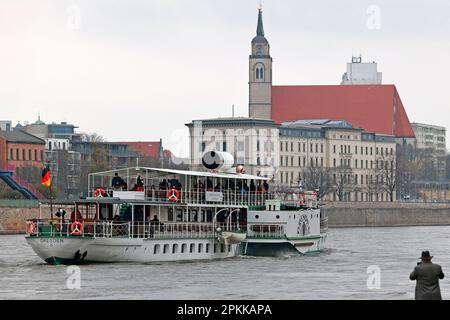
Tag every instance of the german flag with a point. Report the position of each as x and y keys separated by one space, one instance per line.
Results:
x=46 y=179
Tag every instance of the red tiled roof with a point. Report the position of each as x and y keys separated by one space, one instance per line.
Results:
x=146 y=148
x=375 y=108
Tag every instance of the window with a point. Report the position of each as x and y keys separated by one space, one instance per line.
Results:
x=156 y=249
x=166 y=248
x=192 y=248
x=175 y=248
x=23 y=154
x=260 y=73
x=207 y=248
x=35 y=155
x=200 y=247
x=29 y=154
x=183 y=248
x=42 y=155
x=11 y=154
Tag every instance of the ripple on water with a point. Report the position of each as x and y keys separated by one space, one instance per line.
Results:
x=340 y=272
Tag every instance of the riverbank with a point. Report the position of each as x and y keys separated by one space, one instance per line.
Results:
x=386 y=214
x=13 y=214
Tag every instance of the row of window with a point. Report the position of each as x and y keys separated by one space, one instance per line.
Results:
x=288 y=177
x=301 y=147
x=347 y=149
x=16 y=154
x=378 y=164
x=288 y=161
x=193 y=248
x=362 y=196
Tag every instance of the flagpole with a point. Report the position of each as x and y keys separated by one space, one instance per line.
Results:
x=51 y=202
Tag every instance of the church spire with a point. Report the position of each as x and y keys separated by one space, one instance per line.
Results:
x=260 y=28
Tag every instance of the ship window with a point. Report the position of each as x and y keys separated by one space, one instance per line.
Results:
x=175 y=248
x=166 y=248
x=207 y=248
x=183 y=248
x=222 y=248
x=156 y=249
x=192 y=248
x=215 y=248
x=278 y=217
x=257 y=217
x=200 y=247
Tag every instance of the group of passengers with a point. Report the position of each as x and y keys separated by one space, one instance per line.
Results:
x=241 y=186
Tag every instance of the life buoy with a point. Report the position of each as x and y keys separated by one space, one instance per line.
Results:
x=31 y=228
x=302 y=198
x=76 y=228
x=173 y=195
x=100 y=193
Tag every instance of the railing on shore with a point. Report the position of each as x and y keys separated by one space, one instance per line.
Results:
x=112 y=229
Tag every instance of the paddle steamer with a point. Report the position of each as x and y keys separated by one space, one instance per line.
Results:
x=143 y=214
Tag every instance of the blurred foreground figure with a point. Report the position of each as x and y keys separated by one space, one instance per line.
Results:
x=427 y=275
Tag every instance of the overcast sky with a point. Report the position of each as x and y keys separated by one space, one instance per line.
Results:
x=139 y=70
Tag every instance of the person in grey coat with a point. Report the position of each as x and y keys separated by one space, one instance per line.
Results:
x=427 y=275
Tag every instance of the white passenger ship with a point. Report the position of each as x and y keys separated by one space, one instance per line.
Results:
x=173 y=215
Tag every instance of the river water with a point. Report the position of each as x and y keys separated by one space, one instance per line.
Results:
x=341 y=272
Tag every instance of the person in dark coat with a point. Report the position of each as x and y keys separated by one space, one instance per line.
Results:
x=427 y=275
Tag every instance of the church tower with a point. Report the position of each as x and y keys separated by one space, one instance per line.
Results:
x=260 y=75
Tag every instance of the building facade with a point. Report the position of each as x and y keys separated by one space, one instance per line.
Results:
x=359 y=72
x=22 y=153
x=252 y=142
x=355 y=160
x=431 y=139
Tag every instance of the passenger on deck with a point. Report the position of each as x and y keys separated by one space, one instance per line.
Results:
x=252 y=186
x=118 y=182
x=163 y=185
x=155 y=220
x=77 y=217
x=266 y=186
x=139 y=186
x=139 y=181
x=217 y=187
x=209 y=184
x=116 y=218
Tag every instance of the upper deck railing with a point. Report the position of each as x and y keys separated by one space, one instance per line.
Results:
x=192 y=196
x=45 y=228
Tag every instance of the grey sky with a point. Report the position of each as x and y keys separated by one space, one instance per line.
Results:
x=140 y=70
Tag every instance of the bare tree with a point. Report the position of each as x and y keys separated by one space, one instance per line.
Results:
x=343 y=181
x=319 y=178
x=386 y=172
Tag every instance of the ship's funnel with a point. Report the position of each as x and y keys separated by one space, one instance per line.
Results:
x=216 y=160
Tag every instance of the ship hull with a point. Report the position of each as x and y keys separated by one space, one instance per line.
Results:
x=106 y=250
x=284 y=247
